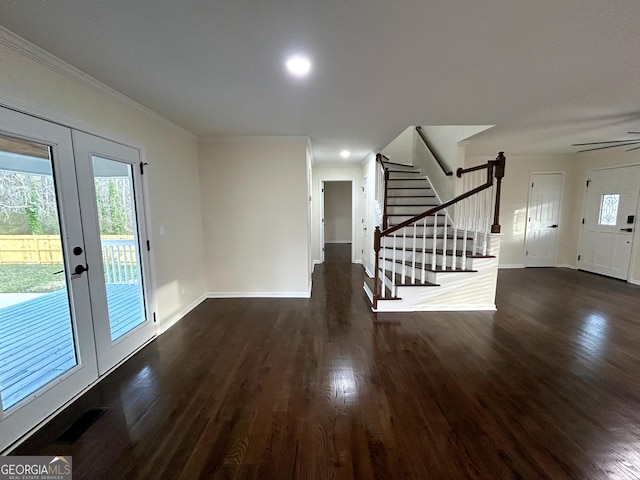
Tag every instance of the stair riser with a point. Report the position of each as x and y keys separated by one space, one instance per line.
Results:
x=403 y=201
x=420 y=231
x=439 y=278
x=408 y=210
x=397 y=220
x=467 y=265
x=406 y=192
x=416 y=183
x=408 y=174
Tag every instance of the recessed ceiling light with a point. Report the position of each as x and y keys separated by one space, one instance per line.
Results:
x=298 y=65
x=345 y=153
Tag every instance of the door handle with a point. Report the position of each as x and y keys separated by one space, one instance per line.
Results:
x=626 y=229
x=80 y=269
x=553 y=226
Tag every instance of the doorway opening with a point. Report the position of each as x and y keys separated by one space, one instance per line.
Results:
x=337 y=221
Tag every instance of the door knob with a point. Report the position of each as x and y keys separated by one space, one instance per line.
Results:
x=77 y=251
x=626 y=229
x=553 y=226
x=80 y=269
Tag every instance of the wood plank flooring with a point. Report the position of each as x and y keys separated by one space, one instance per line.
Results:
x=547 y=387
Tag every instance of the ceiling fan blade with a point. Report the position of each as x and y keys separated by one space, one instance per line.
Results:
x=609 y=146
x=610 y=141
x=634 y=148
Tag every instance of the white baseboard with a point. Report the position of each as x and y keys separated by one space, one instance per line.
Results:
x=634 y=282
x=338 y=241
x=258 y=294
x=511 y=265
x=358 y=261
x=435 y=308
x=166 y=325
x=566 y=265
x=366 y=269
x=317 y=262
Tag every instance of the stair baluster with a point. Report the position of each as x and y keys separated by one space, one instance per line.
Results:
x=413 y=271
x=424 y=246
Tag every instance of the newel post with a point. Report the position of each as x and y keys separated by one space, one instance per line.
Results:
x=376 y=249
x=384 y=208
x=499 y=173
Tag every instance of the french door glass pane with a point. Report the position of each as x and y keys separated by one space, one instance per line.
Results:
x=37 y=341
x=120 y=247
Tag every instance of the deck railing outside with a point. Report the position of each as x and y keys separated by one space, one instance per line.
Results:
x=119 y=261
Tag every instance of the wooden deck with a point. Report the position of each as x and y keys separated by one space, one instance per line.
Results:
x=36 y=348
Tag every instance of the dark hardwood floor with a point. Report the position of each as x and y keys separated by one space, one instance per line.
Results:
x=547 y=387
x=337 y=253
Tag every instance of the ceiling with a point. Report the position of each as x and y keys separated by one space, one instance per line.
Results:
x=547 y=74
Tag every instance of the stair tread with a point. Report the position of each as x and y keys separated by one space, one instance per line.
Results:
x=371 y=284
x=413 y=205
x=399 y=282
x=411 y=196
x=429 y=268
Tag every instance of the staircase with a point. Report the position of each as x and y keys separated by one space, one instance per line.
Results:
x=432 y=256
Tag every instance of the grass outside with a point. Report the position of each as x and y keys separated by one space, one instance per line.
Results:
x=30 y=278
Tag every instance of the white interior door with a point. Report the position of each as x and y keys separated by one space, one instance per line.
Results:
x=47 y=352
x=543 y=218
x=112 y=206
x=610 y=211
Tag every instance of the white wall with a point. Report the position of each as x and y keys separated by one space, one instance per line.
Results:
x=333 y=173
x=172 y=174
x=444 y=140
x=337 y=212
x=255 y=216
x=400 y=150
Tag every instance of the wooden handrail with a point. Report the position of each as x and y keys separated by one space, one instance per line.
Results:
x=447 y=171
x=457 y=199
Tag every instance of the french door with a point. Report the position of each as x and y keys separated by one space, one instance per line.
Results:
x=72 y=270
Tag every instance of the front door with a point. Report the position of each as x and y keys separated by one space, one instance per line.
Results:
x=610 y=211
x=543 y=218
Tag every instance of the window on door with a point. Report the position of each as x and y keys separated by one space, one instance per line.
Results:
x=609 y=209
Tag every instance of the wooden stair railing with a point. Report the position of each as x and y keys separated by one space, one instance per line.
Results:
x=471 y=217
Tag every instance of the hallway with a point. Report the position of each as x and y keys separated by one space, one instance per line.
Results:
x=546 y=387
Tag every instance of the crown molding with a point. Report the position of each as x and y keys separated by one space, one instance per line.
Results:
x=253 y=139
x=29 y=50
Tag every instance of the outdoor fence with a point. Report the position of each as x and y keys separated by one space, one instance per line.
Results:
x=118 y=254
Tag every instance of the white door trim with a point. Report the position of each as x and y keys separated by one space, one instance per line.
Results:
x=353 y=216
